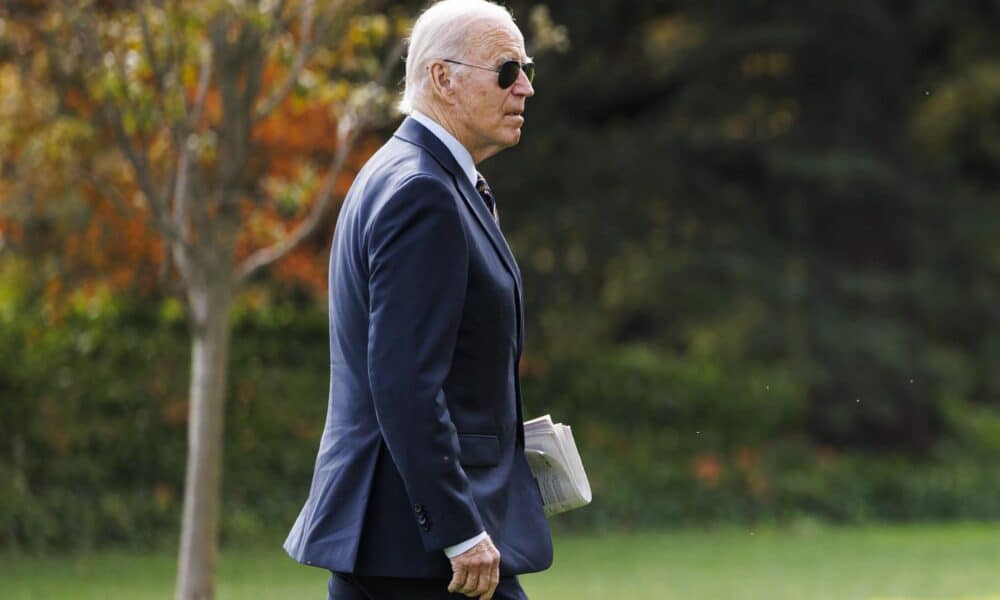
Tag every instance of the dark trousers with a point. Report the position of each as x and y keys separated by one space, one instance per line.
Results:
x=345 y=586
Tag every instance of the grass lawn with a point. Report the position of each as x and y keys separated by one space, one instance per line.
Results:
x=956 y=561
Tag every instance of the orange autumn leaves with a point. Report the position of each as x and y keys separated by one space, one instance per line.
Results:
x=113 y=248
x=291 y=147
x=291 y=152
x=710 y=468
x=84 y=213
x=296 y=141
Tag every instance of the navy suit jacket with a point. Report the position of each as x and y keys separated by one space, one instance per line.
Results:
x=423 y=445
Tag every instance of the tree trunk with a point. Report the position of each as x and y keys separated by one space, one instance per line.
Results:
x=202 y=488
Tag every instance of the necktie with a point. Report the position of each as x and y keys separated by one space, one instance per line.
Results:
x=487 y=195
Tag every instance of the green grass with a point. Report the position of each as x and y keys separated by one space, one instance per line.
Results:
x=809 y=562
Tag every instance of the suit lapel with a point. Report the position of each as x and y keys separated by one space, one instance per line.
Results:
x=415 y=133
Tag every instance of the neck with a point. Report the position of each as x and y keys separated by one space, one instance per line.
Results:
x=442 y=118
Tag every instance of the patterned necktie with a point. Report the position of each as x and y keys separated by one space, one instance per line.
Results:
x=487 y=195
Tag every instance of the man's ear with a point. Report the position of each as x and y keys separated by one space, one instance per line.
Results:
x=441 y=82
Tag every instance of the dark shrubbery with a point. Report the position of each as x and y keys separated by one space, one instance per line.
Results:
x=669 y=440
x=94 y=430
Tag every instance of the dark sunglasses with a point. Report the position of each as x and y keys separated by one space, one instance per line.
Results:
x=508 y=71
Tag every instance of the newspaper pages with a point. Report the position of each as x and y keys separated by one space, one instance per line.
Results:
x=555 y=463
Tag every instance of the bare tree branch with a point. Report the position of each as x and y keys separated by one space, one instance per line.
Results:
x=140 y=165
x=181 y=196
x=307 y=48
x=204 y=78
x=305 y=51
x=162 y=69
x=279 y=10
x=138 y=158
x=154 y=61
x=181 y=133
x=266 y=256
x=348 y=133
x=278 y=21
x=116 y=197
x=156 y=218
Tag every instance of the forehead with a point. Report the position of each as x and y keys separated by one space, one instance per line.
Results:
x=493 y=40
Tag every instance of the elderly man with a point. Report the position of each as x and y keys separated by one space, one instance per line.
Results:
x=421 y=488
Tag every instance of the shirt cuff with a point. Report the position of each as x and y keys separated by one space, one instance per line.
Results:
x=453 y=551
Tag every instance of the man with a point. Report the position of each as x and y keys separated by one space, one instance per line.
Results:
x=421 y=488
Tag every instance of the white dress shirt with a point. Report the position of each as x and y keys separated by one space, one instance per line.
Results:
x=454 y=146
x=468 y=167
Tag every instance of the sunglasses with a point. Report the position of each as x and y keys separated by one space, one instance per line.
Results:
x=508 y=71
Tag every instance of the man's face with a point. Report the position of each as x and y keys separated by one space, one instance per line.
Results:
x=491 y=117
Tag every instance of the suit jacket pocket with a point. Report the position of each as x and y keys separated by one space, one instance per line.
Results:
x=479 y=450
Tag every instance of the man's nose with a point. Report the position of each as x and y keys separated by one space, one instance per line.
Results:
x=522 y=85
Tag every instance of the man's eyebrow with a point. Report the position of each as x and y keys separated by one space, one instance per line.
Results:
x=514 y=57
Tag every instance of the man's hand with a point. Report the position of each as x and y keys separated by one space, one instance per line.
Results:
x=476 y=571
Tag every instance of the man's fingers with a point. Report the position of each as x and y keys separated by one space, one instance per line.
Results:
x=457 y=582
x=471 y=588
x=489 y=577
x=494 y=580
x=476 y=571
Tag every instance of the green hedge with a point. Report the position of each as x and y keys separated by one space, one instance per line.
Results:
x=94 y=426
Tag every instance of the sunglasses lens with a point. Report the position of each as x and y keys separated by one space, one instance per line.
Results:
x=529 y=70
x=510 y=70
x=508 y=73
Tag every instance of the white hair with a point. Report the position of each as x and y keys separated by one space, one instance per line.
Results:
x=441 y=32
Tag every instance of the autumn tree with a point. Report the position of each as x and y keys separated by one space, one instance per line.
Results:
x=211 y=139
x=194 y=143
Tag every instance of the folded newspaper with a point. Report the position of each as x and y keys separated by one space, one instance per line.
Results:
x=555 y=463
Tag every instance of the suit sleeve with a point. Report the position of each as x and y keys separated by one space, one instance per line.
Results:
x=418 y=269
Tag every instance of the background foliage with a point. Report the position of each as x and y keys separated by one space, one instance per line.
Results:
x=761 y=248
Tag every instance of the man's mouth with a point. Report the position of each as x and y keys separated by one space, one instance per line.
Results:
x=514 y=113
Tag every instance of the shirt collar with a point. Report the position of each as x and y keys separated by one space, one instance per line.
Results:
x=462 y=156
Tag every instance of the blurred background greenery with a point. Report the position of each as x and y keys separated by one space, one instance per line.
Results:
x=761 y=251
